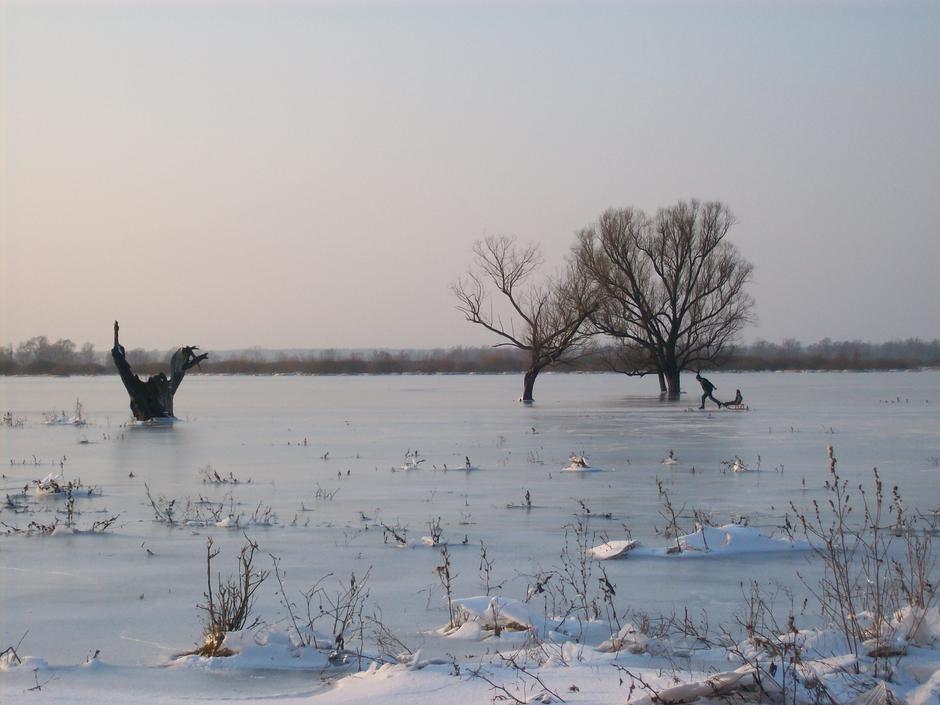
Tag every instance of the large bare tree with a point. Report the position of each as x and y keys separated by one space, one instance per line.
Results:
x=544 y=318
x=670 y=288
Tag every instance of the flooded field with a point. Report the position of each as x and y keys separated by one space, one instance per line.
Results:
x=320 y=465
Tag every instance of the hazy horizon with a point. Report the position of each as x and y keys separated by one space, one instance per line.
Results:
x=290 y=175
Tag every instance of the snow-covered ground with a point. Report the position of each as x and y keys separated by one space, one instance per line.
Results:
x=310 y=468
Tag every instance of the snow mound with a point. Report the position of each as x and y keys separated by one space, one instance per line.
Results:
x=579 y=463
x=229 y=522
x=917 y=626
x=468 y=631
x=264 y=648
x=727 y=540
x=927 y=693
x=612 y=549
x=51 y=484
x=490 y=612
x=631 y=639
x=11 y=662
x=63 y=420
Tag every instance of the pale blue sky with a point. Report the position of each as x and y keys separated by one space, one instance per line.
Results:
x=309 y=174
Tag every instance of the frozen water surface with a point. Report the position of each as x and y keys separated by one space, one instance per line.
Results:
x=76 y=594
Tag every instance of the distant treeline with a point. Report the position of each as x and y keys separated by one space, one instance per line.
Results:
x=830 y=354
x=40 y=356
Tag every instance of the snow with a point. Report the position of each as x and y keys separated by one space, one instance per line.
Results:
x=132 y=592
x=436 y=684
x=926 y=694
x=492 y=611
x=579 y=673
x=578 y=462
x=613 y=549
x=156 y=421
x=469 y=631
x=727 y=540
x=265 y=648
x=917 y=626
x=633 y=640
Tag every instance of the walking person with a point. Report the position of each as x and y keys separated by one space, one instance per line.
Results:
x=708 y=388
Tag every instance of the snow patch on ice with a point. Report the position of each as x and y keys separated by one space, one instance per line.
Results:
x=613 y=549
x=492 y=611
x=10 y=662
x=727 y=540
x=265 y=648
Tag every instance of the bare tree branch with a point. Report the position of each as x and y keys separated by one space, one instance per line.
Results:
x=545 y=318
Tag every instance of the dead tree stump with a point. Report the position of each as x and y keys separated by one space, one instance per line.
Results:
x=153 y=399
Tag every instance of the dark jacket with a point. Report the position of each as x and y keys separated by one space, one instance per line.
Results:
x=707 y=386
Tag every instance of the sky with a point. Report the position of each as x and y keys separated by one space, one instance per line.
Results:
x=288 y=174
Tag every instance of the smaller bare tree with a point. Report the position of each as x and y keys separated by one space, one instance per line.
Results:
x=543 y=319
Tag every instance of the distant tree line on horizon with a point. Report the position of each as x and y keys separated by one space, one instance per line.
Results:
x=41 y=356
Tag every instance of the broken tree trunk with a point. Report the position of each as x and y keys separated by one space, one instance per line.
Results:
x=153 y=399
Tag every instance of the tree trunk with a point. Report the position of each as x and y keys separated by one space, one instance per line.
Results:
x=662 y=382
x=154 y=398
x=672 y=383
x=530 y=383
